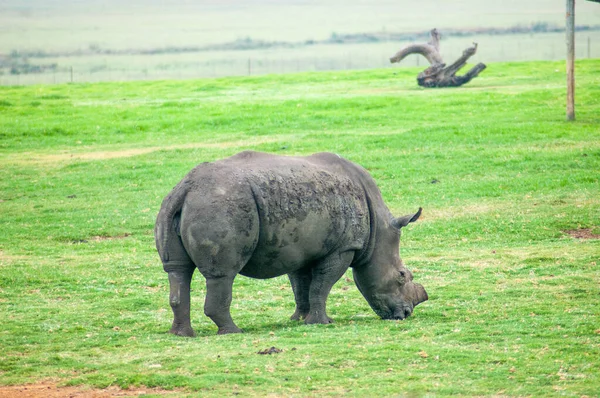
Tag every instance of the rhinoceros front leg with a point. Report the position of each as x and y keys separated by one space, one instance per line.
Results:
x=218 y=302
x=179 y=298
x=324 y=275
x=300 y=281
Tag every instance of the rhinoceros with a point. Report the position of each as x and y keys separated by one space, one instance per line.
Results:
x=262 y=216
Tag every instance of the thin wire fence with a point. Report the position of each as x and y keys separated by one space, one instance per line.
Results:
x=291 y=60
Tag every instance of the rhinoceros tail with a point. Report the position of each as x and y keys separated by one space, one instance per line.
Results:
x=166 y=231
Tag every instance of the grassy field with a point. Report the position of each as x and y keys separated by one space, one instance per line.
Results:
x=505 y=183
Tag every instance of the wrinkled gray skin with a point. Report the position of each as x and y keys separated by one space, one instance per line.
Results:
x=262 y=216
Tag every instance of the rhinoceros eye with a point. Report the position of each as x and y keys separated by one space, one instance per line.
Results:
x=401 y=277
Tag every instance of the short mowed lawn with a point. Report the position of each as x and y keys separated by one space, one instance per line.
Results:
x=508 y=245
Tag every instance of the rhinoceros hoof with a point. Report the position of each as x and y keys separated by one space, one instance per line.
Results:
x=182 y=331
x=229 y=330
x=312 y=319
x=299 y=316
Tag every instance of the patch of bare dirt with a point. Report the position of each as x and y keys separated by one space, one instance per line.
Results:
x=51 y=390
x=582 y=233
x=269 y=351
x=100 y=238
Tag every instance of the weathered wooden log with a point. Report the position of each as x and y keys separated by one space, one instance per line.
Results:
x=438 y=74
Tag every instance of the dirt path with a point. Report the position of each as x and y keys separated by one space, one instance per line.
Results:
x=51 y=390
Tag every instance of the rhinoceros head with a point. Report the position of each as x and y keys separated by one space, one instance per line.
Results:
x=385 y=282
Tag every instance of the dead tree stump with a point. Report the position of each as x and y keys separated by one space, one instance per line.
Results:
x=438 y=74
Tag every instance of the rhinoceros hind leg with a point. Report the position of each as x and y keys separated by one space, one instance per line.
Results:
x=324 y=275
x=300 y=281
x=179 y=298
x=218 y=302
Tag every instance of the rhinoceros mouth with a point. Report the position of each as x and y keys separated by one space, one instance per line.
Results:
x=399 y=313
x=389 y=308
x=403 y=313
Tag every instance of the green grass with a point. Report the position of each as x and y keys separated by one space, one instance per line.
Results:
x=514 y=305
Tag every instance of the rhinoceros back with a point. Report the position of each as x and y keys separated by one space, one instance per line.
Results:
x=298 y=209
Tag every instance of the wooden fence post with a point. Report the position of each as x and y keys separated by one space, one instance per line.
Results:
x=570 y=28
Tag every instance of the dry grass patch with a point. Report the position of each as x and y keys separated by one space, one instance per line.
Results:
x=461 y=211
x=28 y=158
x=6 y=258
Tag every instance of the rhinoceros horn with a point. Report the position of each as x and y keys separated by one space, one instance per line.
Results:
x=420 y=294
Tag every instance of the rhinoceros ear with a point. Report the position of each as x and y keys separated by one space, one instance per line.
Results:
x=405 y=220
